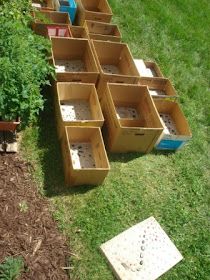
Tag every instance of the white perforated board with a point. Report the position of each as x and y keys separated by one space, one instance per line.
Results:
x=74 y=65
x=143 y=252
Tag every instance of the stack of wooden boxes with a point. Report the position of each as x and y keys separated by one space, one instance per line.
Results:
x=99 y=84
x=176 y=132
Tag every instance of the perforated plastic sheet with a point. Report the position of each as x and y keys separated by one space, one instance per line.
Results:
x=143 y=252
x=110 y=69
x=168 y=123
x=82 y=155
x=75 y=110
x=127 y=113
x=69 y=65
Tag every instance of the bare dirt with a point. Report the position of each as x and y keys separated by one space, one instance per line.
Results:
x=27 y=228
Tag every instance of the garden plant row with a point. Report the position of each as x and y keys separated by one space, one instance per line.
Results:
x=100 y=87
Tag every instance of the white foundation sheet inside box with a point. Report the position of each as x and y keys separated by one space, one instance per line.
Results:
x=75 y=110
x=62 y=66
x=82 y=155
x=127 y=113
x=144 y=71
x=110 y=69
x=169 y=125
x=143 y=252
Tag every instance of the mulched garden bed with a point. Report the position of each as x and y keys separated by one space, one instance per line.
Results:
x=27 y=228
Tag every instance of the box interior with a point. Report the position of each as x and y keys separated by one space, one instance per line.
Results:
x=115 y=58
x=78 y=32
x=78 y=102
x=72 y=55
x=99 y=6
x=88 y=149
x=137 y=109
x=102 y=28
x=171 y=109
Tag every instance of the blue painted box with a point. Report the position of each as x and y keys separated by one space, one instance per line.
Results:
x=176 y=131
x=68 y=6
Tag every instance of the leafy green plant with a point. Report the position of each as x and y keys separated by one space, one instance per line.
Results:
x=11 y=268
x=23 y=62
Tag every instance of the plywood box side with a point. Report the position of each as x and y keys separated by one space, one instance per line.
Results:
x=104 y=37
x=102 y=31
x=170 y=89
x=96 y=107
x=127 y=64
x=101 y=28
x=80 y=134
x=90 y=60
x=68 y=48
x=153 y=83
x=107 y=52
x=181 y=121
x=79 y=32
x=99 y=151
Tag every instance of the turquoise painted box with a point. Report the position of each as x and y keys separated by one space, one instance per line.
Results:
x=176 y=133
x=67 y=6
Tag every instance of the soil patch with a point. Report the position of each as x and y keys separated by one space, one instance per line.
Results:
x=27 y=228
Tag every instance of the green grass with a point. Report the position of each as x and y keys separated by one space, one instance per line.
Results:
x=173 y=187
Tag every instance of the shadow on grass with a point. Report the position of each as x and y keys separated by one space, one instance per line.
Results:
x=52 y=164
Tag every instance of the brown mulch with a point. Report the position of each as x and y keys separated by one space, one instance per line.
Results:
x=27 y=228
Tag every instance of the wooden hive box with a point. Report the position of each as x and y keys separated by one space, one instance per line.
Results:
x=102 y=31
x=159 y=87
x=115 y=63
x=77 y=104
x=176 y=131
x=73 y=60
x=97 y=10
x=84 y=156
x=131 y=119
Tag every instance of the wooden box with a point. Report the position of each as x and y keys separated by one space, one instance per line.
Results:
x=131 y=119
x=79 y=32
x=159 y=87
x=77 y=104
x=84 y=156
x=115 y=63
x=102 y=31
x=176 y=131
x=73 y=60
x=97 y=10
x=148 y=68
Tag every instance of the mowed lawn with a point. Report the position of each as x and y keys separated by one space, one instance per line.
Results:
x=172 y=187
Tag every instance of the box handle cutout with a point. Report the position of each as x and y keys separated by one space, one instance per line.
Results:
x=139 y=134
x=77 y=80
